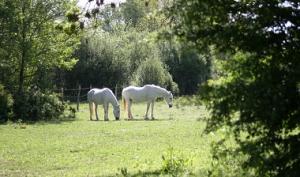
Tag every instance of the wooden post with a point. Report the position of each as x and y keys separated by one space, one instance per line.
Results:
x=91 y=87
x=78 y=97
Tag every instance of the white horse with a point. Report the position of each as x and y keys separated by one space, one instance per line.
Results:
x=103 y=96
x=148 y=94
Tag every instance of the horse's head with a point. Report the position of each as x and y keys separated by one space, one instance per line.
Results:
x=117 y=112
x=169 y=99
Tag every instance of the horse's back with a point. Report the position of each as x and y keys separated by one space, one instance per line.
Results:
x=151 y=87
x=99 y=95
x=139 y=93
x=139 y=89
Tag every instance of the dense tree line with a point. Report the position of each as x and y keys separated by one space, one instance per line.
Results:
x=48 y=45
x=130 y=37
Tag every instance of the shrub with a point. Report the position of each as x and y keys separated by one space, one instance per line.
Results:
x=6 y=102
x=227 y=161
x=175 y=165
x=34 y=105
x=152 y=71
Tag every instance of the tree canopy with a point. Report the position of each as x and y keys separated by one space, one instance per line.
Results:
x=257 y=91
x=30 y=42
x=33 y=44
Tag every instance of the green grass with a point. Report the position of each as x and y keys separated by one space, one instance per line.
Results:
x=97 y=148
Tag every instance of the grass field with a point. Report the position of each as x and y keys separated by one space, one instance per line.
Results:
x=97 y=148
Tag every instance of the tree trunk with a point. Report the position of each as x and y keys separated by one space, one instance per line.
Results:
x=23 y=50
x=21 y=74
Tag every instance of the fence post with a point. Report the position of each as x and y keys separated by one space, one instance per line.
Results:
x=62 y=94
x=91 y=87
x=78 y=97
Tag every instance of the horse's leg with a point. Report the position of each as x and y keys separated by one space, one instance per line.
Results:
x=96 y=107
x=129 y=110
x=152 y=106
x=91 y=105
x=105 y=106
x=148 y=105
x=127 y=107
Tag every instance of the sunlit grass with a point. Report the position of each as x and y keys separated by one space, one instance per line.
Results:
x=98 y=148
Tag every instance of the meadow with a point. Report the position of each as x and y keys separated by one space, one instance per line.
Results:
x=107 y=148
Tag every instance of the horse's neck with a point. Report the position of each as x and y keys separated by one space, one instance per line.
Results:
x=161 y=92
x=113 y=100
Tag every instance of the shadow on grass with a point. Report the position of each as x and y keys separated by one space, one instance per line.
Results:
x=102 y=120
x=39 y=122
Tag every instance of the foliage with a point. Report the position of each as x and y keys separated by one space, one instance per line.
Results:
x=111 y=53
x=188 y=68
x=152 y=71
x=32 y=44
x=175 y=165
x=100 y=62
x=227 y=161
x=6 y=103
x=257 y=91
x=133 y=11
x=107 y=59
x=117 y=42
x=35 y=105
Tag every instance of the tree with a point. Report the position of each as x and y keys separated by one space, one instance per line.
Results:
x=32 y=43
x=133 y=11
x=260 y=78
x=103 y=62
x=188 y=68
x=36 y=38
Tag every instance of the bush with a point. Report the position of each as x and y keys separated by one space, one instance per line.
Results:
x=6 y=102
x=175 y=165
x=34 y=105
x=152 y=71
x=227 y=161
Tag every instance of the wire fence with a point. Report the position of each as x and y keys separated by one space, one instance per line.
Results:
x=79 y=94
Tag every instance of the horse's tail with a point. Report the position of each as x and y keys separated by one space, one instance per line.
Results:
x=124 y=104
